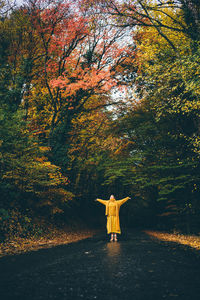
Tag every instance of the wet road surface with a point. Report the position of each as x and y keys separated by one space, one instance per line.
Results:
x=136 y=267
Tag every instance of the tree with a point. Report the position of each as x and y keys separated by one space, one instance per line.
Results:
x=79 y=54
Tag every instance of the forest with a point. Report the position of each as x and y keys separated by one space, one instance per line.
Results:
x=99 y=98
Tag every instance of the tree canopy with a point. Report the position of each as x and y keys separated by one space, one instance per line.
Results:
x=100 y=98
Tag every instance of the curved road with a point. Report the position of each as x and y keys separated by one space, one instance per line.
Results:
x=135 y=268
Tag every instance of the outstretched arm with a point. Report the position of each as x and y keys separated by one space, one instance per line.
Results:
x=122 y=201
x=101 y=201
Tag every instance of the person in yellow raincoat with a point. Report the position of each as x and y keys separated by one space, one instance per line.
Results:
x=112 y=213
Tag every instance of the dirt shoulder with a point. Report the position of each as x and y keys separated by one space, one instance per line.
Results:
x=192 y=241
x=53 y=238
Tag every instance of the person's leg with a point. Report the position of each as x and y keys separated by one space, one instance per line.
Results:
x=111 y=237
x=115 y=236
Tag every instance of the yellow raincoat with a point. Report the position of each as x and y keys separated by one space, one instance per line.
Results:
x=112 y=213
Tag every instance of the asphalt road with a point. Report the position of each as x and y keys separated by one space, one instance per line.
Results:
x=135 y=268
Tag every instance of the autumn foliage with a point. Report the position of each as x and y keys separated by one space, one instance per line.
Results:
x=98 y=98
